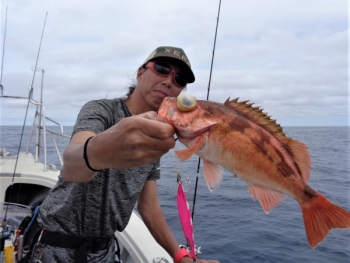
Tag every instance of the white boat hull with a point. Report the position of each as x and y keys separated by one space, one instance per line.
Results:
x=136 y=243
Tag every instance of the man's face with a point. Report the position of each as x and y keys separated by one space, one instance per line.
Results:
x=154 y=87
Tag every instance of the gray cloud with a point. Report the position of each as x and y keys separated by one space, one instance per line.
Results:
x=290 y=57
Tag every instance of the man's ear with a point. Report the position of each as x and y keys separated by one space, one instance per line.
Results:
x=140 y=71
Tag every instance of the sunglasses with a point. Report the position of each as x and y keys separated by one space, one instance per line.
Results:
x=164 y=70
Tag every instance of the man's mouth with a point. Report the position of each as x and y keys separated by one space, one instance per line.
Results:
x=161 y=93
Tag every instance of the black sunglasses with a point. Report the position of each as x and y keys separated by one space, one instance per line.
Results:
x=164 y=70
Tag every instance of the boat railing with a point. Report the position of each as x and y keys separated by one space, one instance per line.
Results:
x=37 y=127
x=39 y=123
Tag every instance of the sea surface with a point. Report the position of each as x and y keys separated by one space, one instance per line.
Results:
x=228 y=224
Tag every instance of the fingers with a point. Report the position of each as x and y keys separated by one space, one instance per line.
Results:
x=134 y=141
x=160 y=144
x=151 y=115
x=154 y=128
x=158 y=136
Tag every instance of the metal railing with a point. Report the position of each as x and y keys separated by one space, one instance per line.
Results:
x=39 y=123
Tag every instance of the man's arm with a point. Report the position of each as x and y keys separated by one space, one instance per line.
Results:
x=134 y=141
x=153 y=217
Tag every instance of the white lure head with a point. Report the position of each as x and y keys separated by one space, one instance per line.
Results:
x=186 y=102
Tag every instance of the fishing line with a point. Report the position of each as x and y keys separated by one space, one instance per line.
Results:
x=25 y=118
x=186 y=180
x=211 y=69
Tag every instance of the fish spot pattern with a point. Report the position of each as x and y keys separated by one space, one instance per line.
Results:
x=262 y=139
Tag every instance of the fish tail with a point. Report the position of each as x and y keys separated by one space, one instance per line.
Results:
x=320 y=216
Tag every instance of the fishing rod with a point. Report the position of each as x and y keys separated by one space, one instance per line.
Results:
x=25 y=118
x=208 y=91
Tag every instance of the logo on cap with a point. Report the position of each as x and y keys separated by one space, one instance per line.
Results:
x=178 y=54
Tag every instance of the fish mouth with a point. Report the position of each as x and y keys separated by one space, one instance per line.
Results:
x=190 y=141
x=186 y=135
x=183 y=132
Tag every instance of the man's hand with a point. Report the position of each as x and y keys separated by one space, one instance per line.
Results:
x=134 y=141
x=190 y=260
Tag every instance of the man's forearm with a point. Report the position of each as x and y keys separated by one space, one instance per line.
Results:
x=159 y=228
x=74 y=167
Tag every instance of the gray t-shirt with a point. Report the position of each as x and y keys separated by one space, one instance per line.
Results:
x=103 y=205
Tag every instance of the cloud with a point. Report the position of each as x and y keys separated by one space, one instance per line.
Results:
x=290 y=57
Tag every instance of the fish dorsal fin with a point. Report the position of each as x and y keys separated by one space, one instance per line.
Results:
x=256 y=114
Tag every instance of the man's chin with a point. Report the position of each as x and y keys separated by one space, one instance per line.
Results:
x=156 y=104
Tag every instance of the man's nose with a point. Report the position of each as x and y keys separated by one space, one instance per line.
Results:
x=169 y=81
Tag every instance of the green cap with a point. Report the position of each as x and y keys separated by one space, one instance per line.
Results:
x=174 y=53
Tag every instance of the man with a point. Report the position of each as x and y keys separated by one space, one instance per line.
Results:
x=112 y=162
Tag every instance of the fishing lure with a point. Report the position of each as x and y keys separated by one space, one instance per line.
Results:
x=185 y=216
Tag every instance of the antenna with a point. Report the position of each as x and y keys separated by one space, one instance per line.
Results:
x=24 y=122
x=3 y=53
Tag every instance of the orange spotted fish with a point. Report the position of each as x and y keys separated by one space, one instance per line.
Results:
x=244 y=140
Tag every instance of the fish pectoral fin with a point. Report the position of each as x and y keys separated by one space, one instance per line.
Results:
x=213 y=174
x=268 y=199
x=186 y=154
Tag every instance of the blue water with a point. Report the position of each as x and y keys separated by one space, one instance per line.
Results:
x=229 y=225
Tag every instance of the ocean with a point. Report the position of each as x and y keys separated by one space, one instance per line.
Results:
x=229 y=226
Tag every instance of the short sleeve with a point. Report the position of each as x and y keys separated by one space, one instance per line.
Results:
x=155 y=172
x=95 y=116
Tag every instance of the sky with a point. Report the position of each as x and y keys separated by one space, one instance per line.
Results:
x=289 y=57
